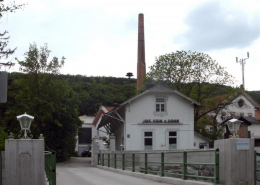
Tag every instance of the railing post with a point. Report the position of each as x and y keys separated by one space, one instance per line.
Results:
x=255 y=166
x=217 y=166
x=145 y=163
x=133 y=162
x=123 y=161
x=184 y=177
x=114 y=160
x=108 y=160
x=98 y=162
x=162 y=164
x=0 y=169
x=103 y=159
x=53 y=168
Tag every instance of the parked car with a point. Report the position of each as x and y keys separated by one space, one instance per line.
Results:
x=86 y=153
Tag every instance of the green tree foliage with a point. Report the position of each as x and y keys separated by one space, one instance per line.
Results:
x=194 y=74
x=52 y=102
x=94 y=91
x=4 y=52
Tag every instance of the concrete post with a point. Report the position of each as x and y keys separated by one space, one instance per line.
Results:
x=236 y=165
x=24 y=161
x=112 y=142
x=95 y=151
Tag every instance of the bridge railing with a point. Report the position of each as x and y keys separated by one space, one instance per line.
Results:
x=50 y=167
x=166 y=163
x=0 y=169
x=257 y=168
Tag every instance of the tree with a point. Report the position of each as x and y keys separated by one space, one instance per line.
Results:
x=4 y=52
x=52 y=102
x=194 y=74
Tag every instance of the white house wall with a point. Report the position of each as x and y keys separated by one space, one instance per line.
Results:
x=120 y=137
x=247 y=109
x=144 y=107
x=254 y=130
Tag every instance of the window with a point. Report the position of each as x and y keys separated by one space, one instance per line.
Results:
x=241 y=103
x=223 y=116
x=85 y=135
x=172 y=140
x=160 y=104
x=148 y=140
x=203 y=145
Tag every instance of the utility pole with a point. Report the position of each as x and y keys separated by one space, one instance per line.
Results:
x=243 y=62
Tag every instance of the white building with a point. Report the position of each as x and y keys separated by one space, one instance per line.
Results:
x=160 y=118
x=84 y=138
x=246 y=107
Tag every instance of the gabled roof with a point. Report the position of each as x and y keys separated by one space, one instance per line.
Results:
x=252 y=101
x=160 y=88
x=204 y=137
x=102 y=110
x=112 y=120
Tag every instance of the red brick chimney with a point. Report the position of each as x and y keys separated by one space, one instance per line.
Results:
x=141 y=69
x=257 y=114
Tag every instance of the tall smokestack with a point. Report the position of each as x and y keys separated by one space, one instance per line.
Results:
x=141 y=69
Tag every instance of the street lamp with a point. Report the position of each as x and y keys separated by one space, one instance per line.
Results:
x=233 y=126
x=25 y=123
x=129 y=75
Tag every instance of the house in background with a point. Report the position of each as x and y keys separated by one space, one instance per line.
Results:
x=201 y=142
x=246 y=109
x=101 y=133
x=159 y=118
x=84 y=138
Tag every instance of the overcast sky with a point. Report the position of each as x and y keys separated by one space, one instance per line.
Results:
x=99 y=37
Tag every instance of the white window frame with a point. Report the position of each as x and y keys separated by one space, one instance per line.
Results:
x=160 y=101
x=160 y=112
x=168 y=139
x=144 y=137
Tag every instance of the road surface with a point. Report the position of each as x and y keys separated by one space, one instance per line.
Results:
x=78 y=171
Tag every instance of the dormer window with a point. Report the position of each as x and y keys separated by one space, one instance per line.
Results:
x=160 y=104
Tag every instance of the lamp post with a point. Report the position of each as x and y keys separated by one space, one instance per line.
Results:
x=233 y=126
x=129 y=75
x=25 y=123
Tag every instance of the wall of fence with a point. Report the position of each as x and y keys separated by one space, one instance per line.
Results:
x=50 y=167
x=185 y=164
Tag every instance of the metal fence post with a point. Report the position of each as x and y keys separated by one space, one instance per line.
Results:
x=162 y=164
x=123 y=161
x=108 y=160
x=98 y=161
x=184 y=177
x=133 y=162
x=54 y=168
x=217 y=166
x=0 y=169
x=115 y=161
x=255 y=166
x=145 y=163
x=102 y=159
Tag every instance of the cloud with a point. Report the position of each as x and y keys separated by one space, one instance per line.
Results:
x=213 y=26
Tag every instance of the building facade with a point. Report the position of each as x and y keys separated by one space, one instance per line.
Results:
x=160 y=118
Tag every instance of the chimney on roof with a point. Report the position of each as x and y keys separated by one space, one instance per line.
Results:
x=141 y=68
x=257 y=114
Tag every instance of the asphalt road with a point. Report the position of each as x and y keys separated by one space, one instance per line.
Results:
x=78 y=171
